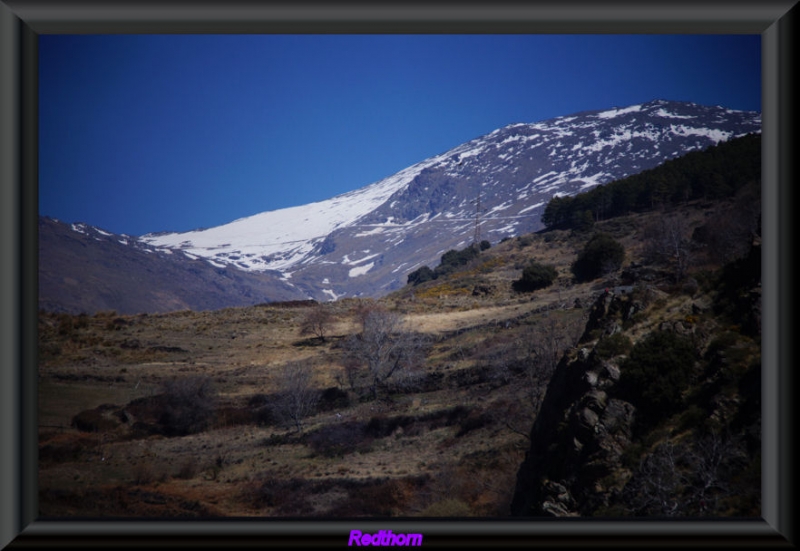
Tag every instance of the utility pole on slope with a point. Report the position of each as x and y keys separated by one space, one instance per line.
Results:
x=478 y=218
x=477 y=238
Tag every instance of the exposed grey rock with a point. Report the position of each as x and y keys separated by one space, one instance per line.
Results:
x=591 y=378
x=610 y=371
x=557 y=510
x=700 y=306
x=595 y=400
x=587 y=420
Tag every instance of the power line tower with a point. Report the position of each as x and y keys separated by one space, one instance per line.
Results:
x=477 y=201
x=477 y=238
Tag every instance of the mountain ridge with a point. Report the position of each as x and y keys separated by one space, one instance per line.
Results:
x=365 y=242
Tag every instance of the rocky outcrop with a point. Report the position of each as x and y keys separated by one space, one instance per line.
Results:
x=581 y=432
x=614 y=307
x=581 y=457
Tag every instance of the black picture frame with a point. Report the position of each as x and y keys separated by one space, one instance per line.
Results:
x=21 y=22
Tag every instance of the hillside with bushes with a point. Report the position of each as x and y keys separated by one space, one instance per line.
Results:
x=609 y=369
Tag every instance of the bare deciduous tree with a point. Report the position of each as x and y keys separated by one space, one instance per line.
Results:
x=317 y=321
x=729 y=233
x=298 y=398
x=655 y=489
x=384 y=350
x=667 y=241
x=545 y=344
x=686 y=479
x=541 y=348
x=711 y=459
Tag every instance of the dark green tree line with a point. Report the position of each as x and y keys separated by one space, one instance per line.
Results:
x=714 y=173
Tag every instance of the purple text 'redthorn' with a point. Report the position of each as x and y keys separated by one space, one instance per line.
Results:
x=383 y=538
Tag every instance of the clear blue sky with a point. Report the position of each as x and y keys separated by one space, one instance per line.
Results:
x=146 y=133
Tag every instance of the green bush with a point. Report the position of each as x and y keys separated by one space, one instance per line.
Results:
x=535 y=276
x=655 y=375
x=454 y=258
x=450 y=261
x=421 y=276
x=524 y=241
x=601 y=255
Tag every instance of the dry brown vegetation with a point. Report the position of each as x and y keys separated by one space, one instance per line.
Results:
x=176 y=415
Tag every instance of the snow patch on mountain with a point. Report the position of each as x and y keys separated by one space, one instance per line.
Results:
x=276 y=240
x=712 y=133
x=612 y=113
x=360 y=270
x=332 y=294
x=664 y=113
x=592 y=181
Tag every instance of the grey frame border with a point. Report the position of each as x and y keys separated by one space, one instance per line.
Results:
x=22 y=21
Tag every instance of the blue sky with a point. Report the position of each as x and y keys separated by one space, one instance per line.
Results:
x=147 y=133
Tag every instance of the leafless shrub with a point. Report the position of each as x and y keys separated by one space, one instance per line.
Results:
x=515 y=415
x=297 y=397
x=384 y=352
x=655 y=489
x=531 y=358
x=545 y=344
x=500 y=355
x=667 y=242
x=317 y=321
x=729 y=233
x=363 y=309
x=687 y=479
x=713 y=459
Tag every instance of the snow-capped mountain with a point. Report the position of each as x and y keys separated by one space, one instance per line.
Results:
x=367 y=241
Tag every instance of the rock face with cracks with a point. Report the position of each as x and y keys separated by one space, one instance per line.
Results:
x=580 y=434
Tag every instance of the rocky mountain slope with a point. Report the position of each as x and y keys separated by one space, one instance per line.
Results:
x=85 y=269
x=366 y=242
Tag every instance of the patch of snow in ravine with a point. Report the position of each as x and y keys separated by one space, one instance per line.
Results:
x=360 y=270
